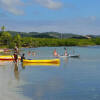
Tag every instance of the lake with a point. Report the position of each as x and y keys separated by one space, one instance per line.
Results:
x=73 y=79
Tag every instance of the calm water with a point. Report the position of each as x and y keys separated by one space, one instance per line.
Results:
x=74 y=79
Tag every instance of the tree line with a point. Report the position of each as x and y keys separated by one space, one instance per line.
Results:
x=9 y=41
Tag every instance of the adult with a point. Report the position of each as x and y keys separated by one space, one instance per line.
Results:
x=55 y=53
x=16 y=51
x=65 y=53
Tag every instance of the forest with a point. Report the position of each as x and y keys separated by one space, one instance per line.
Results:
x=8 y=39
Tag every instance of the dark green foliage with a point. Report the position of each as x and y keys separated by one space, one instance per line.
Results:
x=11 y=45
x=45 y=34
x=96 y=41
x=5 y=38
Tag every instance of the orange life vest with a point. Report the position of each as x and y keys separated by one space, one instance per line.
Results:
x=55 y=53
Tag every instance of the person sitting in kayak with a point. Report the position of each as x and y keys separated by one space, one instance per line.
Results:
x=29 y=53
x=22 y=57
x=65 y=54
x=33 y=53
x=55 y=53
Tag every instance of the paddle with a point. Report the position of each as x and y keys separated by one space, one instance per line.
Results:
x=13 y=58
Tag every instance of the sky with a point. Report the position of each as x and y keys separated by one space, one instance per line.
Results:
x=65 y=16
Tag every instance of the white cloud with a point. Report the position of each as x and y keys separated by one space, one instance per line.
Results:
x=15 y=6
x=51 y=4
x=12 y=6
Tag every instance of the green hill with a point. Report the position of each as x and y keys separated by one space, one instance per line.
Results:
x=51 y=35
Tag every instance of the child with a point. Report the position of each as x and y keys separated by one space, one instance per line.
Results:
x=22 y=57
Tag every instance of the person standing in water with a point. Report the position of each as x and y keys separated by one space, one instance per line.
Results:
x=16 y=51
x=55 y=53
x=65 y=53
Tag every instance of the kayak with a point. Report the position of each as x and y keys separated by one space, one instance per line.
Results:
x=8 y=57
x=40 y=64
x=72 y=56
x=42 y=61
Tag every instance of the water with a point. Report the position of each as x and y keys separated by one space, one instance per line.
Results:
x=74 y=79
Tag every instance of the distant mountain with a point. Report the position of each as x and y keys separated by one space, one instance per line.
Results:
x=51 y=35
x=94 y=36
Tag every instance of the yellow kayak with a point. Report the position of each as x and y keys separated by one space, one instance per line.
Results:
x=8 y=57
x=40 y=64
x=42 y=61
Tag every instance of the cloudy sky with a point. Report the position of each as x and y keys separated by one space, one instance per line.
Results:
x=66 y=16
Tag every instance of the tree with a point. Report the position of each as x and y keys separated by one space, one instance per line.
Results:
x=6 y=38
x=17 y=40
x=3 y=28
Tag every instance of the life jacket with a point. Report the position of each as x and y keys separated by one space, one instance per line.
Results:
x=15 y=57
x=55 y=53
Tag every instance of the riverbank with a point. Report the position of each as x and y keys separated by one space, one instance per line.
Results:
x=29 y=42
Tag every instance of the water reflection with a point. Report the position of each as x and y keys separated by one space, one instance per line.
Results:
x=9 y=76
x=65 y=59
x=23 y=67
x=16 y=72
x=40 y=64
x=2 y=63
x=47 y=89
x=75 y=79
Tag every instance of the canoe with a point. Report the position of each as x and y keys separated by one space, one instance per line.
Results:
x=8 y=57
x=41 y=61
x=72 y=56
x=40 y=64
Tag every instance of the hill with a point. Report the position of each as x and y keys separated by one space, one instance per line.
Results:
x=46 y=34
x=52 y=35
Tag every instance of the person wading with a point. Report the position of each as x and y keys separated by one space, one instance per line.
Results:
x=65 y=54
x=55 y=53
x=16 y=51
